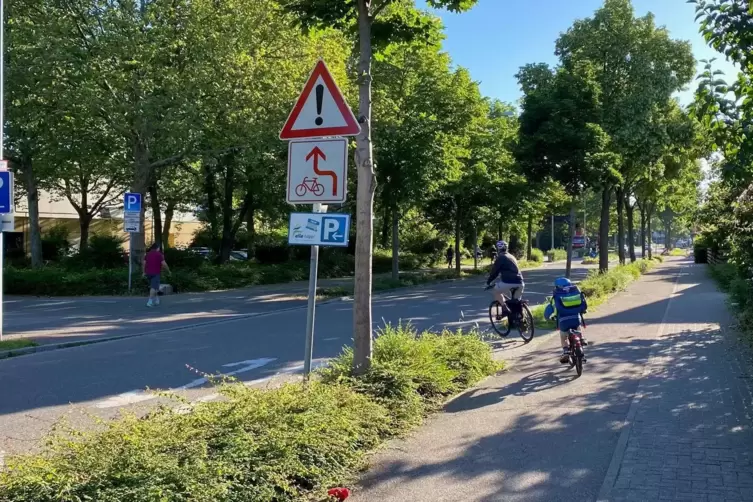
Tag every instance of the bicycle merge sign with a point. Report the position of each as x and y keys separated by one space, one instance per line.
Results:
x=317 y=171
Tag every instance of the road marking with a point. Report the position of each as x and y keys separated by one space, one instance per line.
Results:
x=137 y=396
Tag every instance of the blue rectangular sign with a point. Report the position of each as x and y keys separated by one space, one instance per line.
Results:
x=132 y=202
x=6 y=192
x=319 y=229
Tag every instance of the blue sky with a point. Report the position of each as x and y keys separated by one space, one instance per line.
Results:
x=497 y=37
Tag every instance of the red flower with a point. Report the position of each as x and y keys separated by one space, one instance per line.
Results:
x=339 y=493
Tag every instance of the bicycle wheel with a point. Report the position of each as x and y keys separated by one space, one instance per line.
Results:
x=318 y=189
x=300 y=190
x=500 y=322
x=525 y=325
x=578 y=364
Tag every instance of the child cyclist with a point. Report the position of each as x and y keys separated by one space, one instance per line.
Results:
x=568 y=304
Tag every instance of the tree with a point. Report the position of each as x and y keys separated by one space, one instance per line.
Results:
x=379 y=23
x=560 y=138
x=638 y=67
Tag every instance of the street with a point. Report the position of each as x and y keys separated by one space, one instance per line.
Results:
x=247 y=336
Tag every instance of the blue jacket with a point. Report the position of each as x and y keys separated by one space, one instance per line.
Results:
x=568 y=304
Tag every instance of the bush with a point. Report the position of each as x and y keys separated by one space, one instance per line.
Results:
x=277 y=445
x=58 y=281
x=537 y=255
x=183 y=258
x=556 y=254
x=55 y=244
x=272 y=253
x=103 y=251
x=598 y=285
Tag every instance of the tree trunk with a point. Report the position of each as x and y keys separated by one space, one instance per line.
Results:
x=364 y=160
x=620 y=195
x=458 y=258
x=642 y=209
x=606 y=196
x=84 y=223
x=395 y=244
x=169 y=213
x=141 y=180
x=250 y=232
x=649 y=215
x=226 y=243
x=475 y=246
x=668 y=230
x=32 y=198
x=529 y=238
x=210 y=188
x=386 y=227
x=630 y=212
x=156 y=214
x=571 y=232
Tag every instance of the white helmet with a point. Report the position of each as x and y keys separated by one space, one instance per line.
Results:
x=502 y=246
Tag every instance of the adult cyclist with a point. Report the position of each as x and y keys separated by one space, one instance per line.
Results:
x=506 y=276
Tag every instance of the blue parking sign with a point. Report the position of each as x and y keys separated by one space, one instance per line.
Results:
x=335 y=230
x=132 y=202
x=6 y=192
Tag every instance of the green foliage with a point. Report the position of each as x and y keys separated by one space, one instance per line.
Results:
x=556 y=254
x=597 y=286
x=55 y=243
x=14 y=344
x=537 y=255
x=103 y=251
x=276 y=445
x=413 y=373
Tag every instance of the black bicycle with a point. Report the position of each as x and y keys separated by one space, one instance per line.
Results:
x=577 y=354
x=516 y=315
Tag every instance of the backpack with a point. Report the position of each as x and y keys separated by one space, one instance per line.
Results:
x=569 y=304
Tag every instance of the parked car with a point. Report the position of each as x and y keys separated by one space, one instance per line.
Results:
x=241 y=255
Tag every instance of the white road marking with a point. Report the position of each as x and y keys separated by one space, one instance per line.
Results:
x=137 y=396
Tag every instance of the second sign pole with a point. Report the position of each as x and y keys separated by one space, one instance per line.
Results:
x=311 y=313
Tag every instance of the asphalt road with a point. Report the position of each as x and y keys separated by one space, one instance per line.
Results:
x=263 y=340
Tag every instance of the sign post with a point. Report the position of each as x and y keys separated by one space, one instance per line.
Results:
x=6 y=190
x=131 y=224
x=317 y=174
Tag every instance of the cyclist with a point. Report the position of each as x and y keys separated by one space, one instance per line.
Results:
x=506 y=276
x=568 y=304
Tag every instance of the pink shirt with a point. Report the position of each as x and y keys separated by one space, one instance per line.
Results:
x=153 y=264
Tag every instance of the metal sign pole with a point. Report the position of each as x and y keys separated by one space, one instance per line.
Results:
x=552 y=231
x=130 y=258
x=311 y=312
x=2 y=153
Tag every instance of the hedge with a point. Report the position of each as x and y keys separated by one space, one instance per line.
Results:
x=276 y=445
x=187 y=275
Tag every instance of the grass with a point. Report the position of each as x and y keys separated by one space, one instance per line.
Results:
x=286 y=444
x=405 y=280
x=17 y=344
x=595 y=261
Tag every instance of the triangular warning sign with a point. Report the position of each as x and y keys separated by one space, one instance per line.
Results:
x=321 y=110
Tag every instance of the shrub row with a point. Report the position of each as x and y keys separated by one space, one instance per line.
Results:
x=557 y=254
x=733 y=280
x=277 y=445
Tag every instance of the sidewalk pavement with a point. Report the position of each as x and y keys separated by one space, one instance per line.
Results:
x=662 y=412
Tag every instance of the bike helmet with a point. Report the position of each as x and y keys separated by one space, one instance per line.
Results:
x=562 y=282
x=502 y=246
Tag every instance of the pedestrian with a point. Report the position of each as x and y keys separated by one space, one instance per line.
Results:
x=450 y=256
x=154 y=263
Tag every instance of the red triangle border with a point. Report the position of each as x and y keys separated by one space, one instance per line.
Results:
x=350 y=129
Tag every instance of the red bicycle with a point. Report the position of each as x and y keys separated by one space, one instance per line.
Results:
x=309 y=185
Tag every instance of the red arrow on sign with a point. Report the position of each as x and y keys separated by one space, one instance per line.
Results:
x=316 y=153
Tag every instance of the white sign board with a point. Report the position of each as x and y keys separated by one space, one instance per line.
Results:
x=132 y=222
x=319 y=229
x=317 y=171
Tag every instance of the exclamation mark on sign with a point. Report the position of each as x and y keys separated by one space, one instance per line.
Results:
x=319 y=96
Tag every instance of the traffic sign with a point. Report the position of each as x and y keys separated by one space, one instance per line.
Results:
x=319 y=229
x=317 y=171
x=132 y=222
x=321 y=110
x=132 y=202
x=6 y=192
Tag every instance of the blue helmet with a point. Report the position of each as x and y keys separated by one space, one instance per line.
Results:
x=502 y=246
x=562 y=282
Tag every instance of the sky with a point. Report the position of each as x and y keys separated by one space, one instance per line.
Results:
x=497 y=37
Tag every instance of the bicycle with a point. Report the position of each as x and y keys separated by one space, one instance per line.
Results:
x=309 y=184
x=522 y=318
x=576 y=343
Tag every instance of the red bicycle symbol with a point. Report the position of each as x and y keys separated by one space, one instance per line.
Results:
x=309 y=185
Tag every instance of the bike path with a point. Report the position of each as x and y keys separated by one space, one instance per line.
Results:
x=662 y=412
